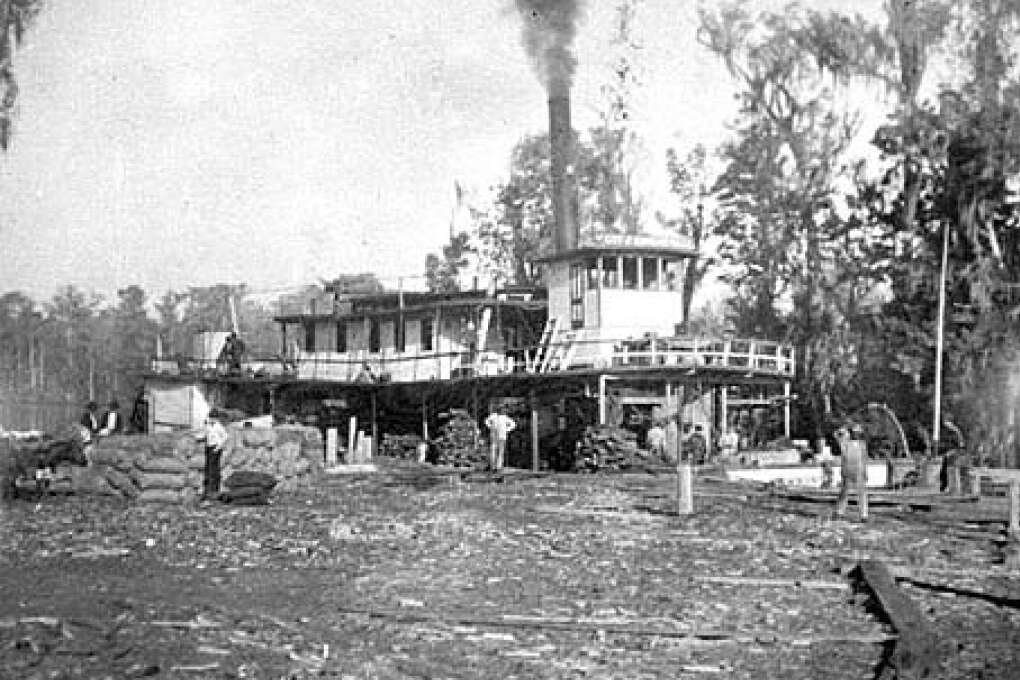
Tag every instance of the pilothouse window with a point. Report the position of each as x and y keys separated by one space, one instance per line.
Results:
x=630 y=272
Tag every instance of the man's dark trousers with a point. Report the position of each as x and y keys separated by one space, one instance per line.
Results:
x=212 y=472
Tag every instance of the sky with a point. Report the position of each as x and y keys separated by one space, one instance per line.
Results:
x=273 y=143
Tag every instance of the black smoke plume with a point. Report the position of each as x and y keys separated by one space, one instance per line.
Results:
x=549 y=29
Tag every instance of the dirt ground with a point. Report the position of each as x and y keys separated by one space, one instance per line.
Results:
x=417 y=572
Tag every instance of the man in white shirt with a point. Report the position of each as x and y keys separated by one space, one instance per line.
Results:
x=500 y=426
x=215 y=437
x=111 y=423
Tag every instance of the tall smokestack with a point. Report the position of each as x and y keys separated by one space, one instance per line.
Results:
x=549 y=28
x=564 y=189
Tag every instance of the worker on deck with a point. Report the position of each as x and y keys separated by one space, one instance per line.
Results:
x=853 y=468
x=232 y=354
x=111 y=422
x=500 y=426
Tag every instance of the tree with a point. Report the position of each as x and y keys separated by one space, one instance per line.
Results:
x=15 y=16
x=617 y=208
x=779 y=226
x=688 y=181
x=134 y=335
x=169 y=314
x=71 y=313
x=962 y=158
x=23 y=350
x=442 y=272
x=365 y=282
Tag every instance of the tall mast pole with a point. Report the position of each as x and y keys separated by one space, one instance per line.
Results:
x=939 y=341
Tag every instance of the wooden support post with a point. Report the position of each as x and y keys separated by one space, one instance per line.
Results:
x=534 y=430
x=862 y=481
x=331 y=446
x=474 y=409
x=1014 y=508
x=917 y=652
x=424 y=418
x=684 y=501
x=352 y=438
x=602 y=400
x=684 y=489
x=375 y=426
x=786 y=409
x=955 y=485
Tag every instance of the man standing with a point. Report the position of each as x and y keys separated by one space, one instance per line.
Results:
x=111 y=421
x=853 y=469
x=500 y=426
x=89 y=427
x=215 y=437
x=140 y=413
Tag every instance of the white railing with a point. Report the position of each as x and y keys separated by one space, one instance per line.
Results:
x=734 y=355
x=758 y=356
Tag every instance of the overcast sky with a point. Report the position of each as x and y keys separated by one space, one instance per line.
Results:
x=275 y=143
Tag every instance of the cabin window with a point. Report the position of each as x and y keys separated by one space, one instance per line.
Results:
x=577 y=277
x=309 y=337
x=341 y=337
x=592 y=266
x=610 y=275
x=673 y=274
x=510 y=337
x=649 y=273
x=399 y=336
x=426 y=335
x=630 y=272
x=374 y=336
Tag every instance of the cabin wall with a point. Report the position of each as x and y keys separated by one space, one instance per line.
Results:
x=557 y=280
x=177 y=405
x=632 y=313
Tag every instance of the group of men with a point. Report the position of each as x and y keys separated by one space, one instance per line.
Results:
x=93 y=425
x=213 y=434
x=664 y=437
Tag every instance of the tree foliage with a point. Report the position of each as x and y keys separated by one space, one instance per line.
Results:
x=15 y=16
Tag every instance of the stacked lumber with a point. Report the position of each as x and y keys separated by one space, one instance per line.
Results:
x=248 y=487
x=607 y=447
x=458 y=441
x=292 y=455
x=168 y=468
x=403 y=446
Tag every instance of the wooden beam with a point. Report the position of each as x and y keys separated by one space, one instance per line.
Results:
x=917 y=652
x=534 y=430
x=1014 y=508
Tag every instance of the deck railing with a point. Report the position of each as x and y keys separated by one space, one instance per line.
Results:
x=735 y=355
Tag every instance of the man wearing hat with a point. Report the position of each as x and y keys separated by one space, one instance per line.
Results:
x=853 y=468
x=89 y=428
x=215 y=437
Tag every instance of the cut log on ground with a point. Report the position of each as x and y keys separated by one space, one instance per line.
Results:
x=917 y=653
x=772 y=582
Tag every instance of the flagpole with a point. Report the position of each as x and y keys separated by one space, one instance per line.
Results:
x=939 y=341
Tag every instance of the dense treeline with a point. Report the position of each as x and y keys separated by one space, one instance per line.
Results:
x=80 y=346
x=825 y=244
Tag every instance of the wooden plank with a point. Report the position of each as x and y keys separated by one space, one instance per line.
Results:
x=613 y=626
x=1014 y=508
x=1000 y=475
x=917 y=652
x=772 y=582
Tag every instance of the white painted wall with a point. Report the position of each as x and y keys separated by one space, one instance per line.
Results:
x=557 y=280
x=632 y=313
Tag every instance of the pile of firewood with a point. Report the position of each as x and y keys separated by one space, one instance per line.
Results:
x=403 y=446
x=605 y=447
x=458 y=442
